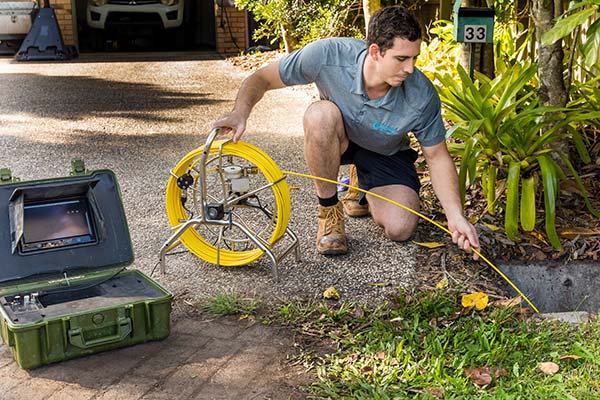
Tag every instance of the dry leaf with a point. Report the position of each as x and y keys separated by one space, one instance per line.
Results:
x=438 y=393
x=549 y=368
x=491 y=227
x=571 y=233
x=479 y=376
x=366 y=370
x=539 y=237
x=515 y=301
x=429 y=245
x=442 y=284
x=379 y=284
x=483 y=376
x=331 y=293
x=479 y=300
x=570 y=357
x=359 y=312
x=380 y=355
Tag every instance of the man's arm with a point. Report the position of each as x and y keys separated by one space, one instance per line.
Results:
x=445 y=184
x=251 y=91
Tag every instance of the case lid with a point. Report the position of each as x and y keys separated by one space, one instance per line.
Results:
x=62 y=225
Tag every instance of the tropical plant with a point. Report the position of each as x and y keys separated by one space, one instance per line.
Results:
x=506 y=136
x=579 y=14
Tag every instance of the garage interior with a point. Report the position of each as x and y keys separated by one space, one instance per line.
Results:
x=196 y=33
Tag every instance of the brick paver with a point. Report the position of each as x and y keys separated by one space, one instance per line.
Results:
x=220 y=358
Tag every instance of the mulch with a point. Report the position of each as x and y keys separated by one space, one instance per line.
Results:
x=578 y=229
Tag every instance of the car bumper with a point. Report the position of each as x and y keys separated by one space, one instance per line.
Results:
x=149 y=14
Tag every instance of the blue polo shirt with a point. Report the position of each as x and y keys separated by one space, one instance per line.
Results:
x=380 y=125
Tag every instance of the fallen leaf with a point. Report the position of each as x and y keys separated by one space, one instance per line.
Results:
x=515 y=301
x=539 y=236
x=380 y=355
x=571 y=233
x=491 y=227
x=483 y=376
x=570 y=357
x=366 y=370
x=549 y=368
x=438 y=393
x=331 y=293
x=479 y=376
x=244 y=316
x=442 y=284
x=359 y=312
x=429 y=245
x=379 y=284
x=479 y=300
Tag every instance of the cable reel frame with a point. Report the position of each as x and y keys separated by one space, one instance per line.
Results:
x=219 y=213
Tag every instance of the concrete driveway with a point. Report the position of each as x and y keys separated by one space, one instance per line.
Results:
x=138 y=115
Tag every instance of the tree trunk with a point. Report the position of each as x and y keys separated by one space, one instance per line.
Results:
x=551 y=89
x=369 y=8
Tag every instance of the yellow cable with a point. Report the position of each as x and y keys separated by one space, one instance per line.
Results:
x=194 y=241
x=426 y=219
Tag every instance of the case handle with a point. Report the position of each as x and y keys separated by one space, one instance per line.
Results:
x=76 y=334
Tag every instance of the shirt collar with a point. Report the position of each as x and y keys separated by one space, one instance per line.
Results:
x=358 y=87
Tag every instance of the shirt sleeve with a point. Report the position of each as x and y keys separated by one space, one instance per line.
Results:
x=431 y=130
x=302 y=66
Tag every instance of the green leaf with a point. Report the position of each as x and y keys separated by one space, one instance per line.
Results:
x=491 y=189
x=550 y=182
x=580 y=146
x=586 y=199
x=527 y=208
x=565 y=26
x=511 y=215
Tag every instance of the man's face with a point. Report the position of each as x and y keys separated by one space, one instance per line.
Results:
x=394 y=66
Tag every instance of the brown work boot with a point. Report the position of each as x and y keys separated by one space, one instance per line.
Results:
x=331 y=237
x=350 y=201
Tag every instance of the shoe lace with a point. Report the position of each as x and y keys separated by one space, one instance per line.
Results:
x=334 y=220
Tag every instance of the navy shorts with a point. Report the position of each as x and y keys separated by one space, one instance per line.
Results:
x=374 y=169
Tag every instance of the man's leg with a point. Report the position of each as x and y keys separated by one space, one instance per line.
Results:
x=398 y=223
x=324 y=143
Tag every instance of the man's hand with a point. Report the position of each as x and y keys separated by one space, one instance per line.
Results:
x=231 y=122
x=464 y=235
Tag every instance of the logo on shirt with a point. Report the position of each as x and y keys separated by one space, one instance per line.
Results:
x=384 y=128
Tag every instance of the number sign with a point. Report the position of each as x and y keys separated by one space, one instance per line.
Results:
x=475 y=34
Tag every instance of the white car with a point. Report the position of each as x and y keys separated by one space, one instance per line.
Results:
x=102 y=14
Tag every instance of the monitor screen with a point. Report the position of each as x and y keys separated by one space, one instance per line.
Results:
x=56 y=224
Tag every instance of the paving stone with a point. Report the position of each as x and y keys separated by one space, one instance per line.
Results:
x=6 y=356
x=241 y=369
x=11 y=376
x=164 y=362
x=33 y=389
x=130 y=388
x=214 y=329
x=73 y=392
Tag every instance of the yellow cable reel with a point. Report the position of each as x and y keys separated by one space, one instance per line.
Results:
x=242 y=199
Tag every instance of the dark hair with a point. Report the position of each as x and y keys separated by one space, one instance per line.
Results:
x=392 y=22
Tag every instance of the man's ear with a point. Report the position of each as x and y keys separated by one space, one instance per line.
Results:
x=374 y=51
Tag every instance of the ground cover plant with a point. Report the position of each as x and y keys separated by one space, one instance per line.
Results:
x=428 y=346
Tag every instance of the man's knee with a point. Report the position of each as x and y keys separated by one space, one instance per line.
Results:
x=321 y=114
x=399 y=232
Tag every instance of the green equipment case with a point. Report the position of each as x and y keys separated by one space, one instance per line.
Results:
x=64 y=289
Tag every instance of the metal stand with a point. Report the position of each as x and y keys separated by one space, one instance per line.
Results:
x=205 y=219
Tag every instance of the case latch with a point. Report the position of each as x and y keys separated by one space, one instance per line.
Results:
x=6 y=177
x=78 y=167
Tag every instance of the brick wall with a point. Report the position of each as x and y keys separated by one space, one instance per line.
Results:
x=64 y=15
x=232 y=30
